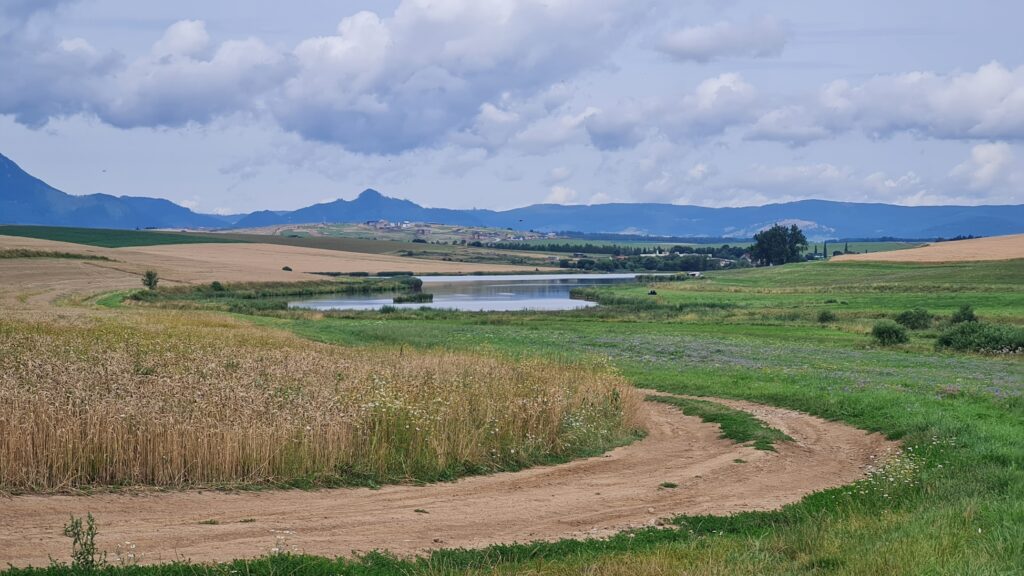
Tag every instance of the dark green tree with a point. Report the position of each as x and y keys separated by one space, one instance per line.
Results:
x=778 y=245
x=150 y=279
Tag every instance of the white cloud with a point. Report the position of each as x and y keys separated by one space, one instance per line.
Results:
x=991 y=166
x=174 y=91
x=699 y=172
x=985 y=104
x=716 y=104
x=380 y=84
x=561 y=195
x=559 y=174
x=816 y=178
x=795 y=125
x=384 y=85
x=756 y=39
x=186 y=38
x=886 y=186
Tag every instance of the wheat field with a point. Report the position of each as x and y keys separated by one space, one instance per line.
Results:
x=174 y=400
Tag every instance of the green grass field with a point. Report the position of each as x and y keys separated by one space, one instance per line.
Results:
x=852 y=290
x=952 y=503
x=860 y=247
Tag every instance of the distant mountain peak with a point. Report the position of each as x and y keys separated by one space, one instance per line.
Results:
x=370 y=194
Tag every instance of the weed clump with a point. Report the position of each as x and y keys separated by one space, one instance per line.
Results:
x=414 y=298
x=85 y=556
x=888 y=333
x=964 y=314
x=826 y=316
x=915 y=319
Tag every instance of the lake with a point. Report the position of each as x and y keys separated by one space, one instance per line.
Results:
x=496 y=293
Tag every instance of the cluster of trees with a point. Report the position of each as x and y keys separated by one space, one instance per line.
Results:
x=724 y=251
x=670 y=263
x=778 y=245
x=588 y=248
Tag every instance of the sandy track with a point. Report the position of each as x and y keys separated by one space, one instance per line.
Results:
x=592 y=497
x=994 y=248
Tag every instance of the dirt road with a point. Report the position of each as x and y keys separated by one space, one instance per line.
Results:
x=592 y=497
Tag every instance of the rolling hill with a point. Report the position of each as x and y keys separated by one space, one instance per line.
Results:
x=25 y=199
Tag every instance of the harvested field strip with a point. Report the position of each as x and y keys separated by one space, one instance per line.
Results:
x=596 y=497
x=174 y=400
x=737 y=425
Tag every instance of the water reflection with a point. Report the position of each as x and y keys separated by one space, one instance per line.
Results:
x=498 y=293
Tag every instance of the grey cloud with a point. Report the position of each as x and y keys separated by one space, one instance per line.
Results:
x=388 y=85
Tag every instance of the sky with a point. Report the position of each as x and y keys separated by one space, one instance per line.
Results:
x=233 y=106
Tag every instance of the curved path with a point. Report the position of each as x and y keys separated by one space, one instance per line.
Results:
x=585 y=498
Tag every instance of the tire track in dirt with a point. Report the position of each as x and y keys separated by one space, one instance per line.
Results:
x=586 y=498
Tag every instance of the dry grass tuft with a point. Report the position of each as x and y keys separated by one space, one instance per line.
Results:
x=175 y=400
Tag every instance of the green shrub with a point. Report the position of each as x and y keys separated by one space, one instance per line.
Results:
x=826 y=316
x=415 y=297
x=394 y=273
x=981 y=337
x=649 y=278
x=915 y=319
x=216 y=286
x=150 y=279
x=887 y=333
x=964 y=314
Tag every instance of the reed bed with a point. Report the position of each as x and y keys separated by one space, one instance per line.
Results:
x=173 y=400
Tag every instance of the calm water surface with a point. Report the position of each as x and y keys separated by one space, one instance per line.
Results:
x=499 y=293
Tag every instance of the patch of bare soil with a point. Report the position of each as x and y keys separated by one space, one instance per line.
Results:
x=585 y=498
x=978 y=249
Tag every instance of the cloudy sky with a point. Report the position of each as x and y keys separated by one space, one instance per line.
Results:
x=235 y=106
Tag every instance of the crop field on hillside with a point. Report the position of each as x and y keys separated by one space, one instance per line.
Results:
x=112 y=238
x=975 y=249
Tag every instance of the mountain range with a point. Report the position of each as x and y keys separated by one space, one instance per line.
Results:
x=25 y=199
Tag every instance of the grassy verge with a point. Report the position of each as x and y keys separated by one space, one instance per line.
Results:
x=26 y=253
x=737 y=425
x=256 y=297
